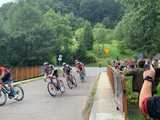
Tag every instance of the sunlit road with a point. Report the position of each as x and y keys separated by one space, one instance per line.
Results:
x=39 y=105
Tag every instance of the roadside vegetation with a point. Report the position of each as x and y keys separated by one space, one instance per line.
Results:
x=35 y=31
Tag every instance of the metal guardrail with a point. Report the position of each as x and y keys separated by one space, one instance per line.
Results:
x=23 y=73
x=118 y=86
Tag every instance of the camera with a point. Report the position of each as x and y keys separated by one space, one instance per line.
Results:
x=155 y=63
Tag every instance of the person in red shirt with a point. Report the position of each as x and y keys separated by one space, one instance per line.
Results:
x=5 y=78
x=148 y=104
x=47 y=70
x=80 y=68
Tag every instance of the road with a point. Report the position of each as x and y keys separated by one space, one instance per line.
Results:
x=38 y=105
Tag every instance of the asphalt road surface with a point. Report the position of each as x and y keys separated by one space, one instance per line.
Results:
x=39 y=105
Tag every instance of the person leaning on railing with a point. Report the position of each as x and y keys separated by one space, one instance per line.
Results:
x=148 y=104
x=137 y=76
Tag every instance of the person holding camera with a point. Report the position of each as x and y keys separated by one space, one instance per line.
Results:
x=148 y=104
x=137 y=75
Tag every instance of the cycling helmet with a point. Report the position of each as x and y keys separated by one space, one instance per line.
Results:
x=76 y=61
x=51 y=66
x=81 y=63
x=45 y=63
x=64 y=64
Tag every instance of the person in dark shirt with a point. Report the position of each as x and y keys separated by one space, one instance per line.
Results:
x=148 y=104
x=6 y=78
x=137 y=75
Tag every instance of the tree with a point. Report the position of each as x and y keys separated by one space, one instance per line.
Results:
x=107 y=11
x=88 y=40
x=139 y=26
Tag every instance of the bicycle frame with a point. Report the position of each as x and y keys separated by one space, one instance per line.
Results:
x=5 y=89
x=56 y=84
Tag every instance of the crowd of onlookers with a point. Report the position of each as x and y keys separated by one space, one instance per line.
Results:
x=124 y=64
x=129 y=64
x=146 y=77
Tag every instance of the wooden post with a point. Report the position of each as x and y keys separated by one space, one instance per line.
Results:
x=111 y=79
x=125 y=99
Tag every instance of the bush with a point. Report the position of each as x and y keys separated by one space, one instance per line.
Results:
x=90 y=58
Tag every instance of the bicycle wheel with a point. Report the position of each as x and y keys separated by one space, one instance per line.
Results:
x=3 y=98
x=74 y=81
x=81 y=77
x=19 y=92
x=52 y=90
x=69 y=83
x=62 y=87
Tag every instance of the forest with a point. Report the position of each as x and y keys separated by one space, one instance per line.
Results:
x=35 y=31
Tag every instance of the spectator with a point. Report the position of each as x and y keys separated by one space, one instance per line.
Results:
x=137 y=74
x=148 y=104
x=130 y=64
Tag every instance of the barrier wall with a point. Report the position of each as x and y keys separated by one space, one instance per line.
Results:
x=22 y=73
x=117 y=81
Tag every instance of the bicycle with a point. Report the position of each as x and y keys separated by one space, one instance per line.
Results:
x=5 y=91
x=54 y=87
x=71 y=81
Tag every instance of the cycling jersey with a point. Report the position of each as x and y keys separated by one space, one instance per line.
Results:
x=7 y=75
x=3 y=69
x=67 y=70
x=80 y=67
x=47 y=70
x=55 y=73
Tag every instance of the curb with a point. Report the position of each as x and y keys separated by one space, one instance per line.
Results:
x=90 y=101
x=27 y=81
x=104 y=107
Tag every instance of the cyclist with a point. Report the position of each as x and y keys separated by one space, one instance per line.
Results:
x=80 y=67
x=68 y=70
x=81 y=70
x=64 y=69
x=5 y=78
x=54 y=73
x=83 y=67
x=68 y=74
x=47 y=70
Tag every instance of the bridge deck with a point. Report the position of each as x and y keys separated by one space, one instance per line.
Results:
x=104 y=107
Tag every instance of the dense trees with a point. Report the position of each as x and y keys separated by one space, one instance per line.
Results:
x=139 y=28
x=107 y=11
x=34 y=31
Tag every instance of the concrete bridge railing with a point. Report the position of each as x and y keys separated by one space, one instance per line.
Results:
x=118 y=84
x=110 y=101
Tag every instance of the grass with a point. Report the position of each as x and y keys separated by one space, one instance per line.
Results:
x=158 y=90
x=134 y=113
x=90 y=101
x=133 y=109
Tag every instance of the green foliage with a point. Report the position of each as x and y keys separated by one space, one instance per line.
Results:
x=139 y=28
x=87 y=41
x=90 y=57
x=107 y=11
x=100 y=33
x=34 y=31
